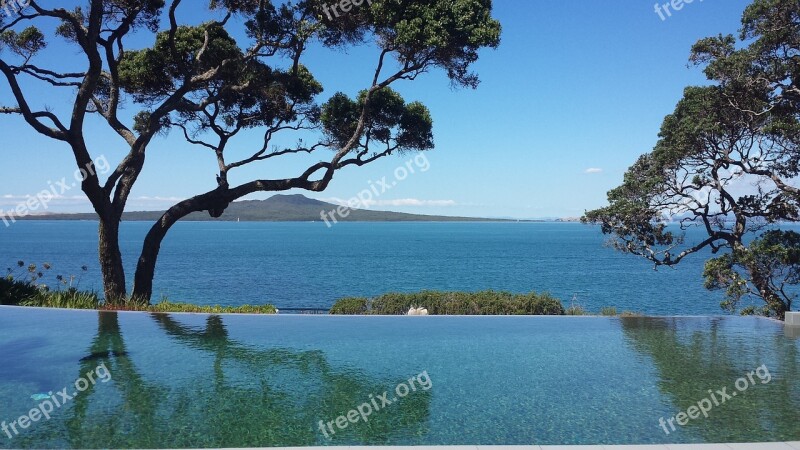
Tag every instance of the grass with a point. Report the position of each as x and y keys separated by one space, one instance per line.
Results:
x=608 y=311
x=576 y=310
x=70 y=298
x=166 y=306
x=26 y=293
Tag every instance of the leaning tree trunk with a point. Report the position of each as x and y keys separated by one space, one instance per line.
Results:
x=214 y=202
x=114 y=288
x=146 y=267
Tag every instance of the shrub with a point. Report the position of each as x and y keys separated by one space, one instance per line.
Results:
x=350 y=306
x=486 y=303
x=26 y=293
x=540 y=305
x=13 y=292
x=453 y=303
x=608 y=311
x=398 y=304
x=575 y=310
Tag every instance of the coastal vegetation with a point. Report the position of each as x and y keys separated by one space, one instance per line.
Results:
x=743 y=129
x=26 y=289
x=453 y=303
x=481 y=303
x=20 y=293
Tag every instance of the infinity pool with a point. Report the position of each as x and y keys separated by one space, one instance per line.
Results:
x=150 y=381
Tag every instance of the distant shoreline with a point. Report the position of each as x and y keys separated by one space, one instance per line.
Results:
x=287 y=208
x=56 y=218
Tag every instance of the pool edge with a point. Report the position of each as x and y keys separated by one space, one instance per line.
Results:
x=587 y=316
x=788 y=445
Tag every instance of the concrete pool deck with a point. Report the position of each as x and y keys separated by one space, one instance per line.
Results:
x=743 y=446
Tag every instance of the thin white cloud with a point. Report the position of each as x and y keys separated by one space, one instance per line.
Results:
x=414 y=202
x=593 y=170
x=145 y=198
x=79 y=203
x=393 y=202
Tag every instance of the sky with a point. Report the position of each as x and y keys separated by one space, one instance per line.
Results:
x=575 y=93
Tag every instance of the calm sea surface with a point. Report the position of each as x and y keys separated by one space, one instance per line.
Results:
x=310 y=265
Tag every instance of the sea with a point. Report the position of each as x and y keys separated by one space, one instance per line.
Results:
x=310 y=265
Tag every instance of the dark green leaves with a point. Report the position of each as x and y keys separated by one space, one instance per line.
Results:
x=416 y=127
x=726 y=161
x=420 y=33
x=773 y=258
x=340 y=118
x=264 y=96
x=446 y=34
x=388 y=118
x=26 y=43
x=153 y=73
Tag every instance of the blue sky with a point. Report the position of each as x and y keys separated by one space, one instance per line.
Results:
x=574 y=94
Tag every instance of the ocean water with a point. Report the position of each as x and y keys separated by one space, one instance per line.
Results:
x=194 y=381
x=311 y=265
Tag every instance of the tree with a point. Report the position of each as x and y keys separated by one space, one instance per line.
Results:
x=210 y=83
x=725 y=162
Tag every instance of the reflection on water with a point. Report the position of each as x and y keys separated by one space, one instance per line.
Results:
x=692 y=358
x=245 y=397
x=238 y=381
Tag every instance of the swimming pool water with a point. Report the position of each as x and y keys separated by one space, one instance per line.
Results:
x=237 y=381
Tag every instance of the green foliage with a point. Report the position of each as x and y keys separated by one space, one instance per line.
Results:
x=608 y=311
x=540 y=305
x=386 y=112
x=24 y=287
x=448 y=32
x=454 y=303
x=340 y=117
x=166 y=306
x=153 y=73
x=27 y=290
x=774 y=256
x=13 y=292
x=26 y=43
x=416 y=127
x=237 y=65
x=350 y=306
x=575 y=310
x=69 y=298
x=19 y=293
x=743 y=129
x=444 y=34
x=400 y=303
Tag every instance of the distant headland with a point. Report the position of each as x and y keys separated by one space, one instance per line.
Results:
x=282 y=208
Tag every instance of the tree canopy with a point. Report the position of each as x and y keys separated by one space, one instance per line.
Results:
x=726 y=162
x=242 y=69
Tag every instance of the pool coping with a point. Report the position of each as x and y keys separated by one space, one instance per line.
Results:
x=565 y=316
x=791 y=445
